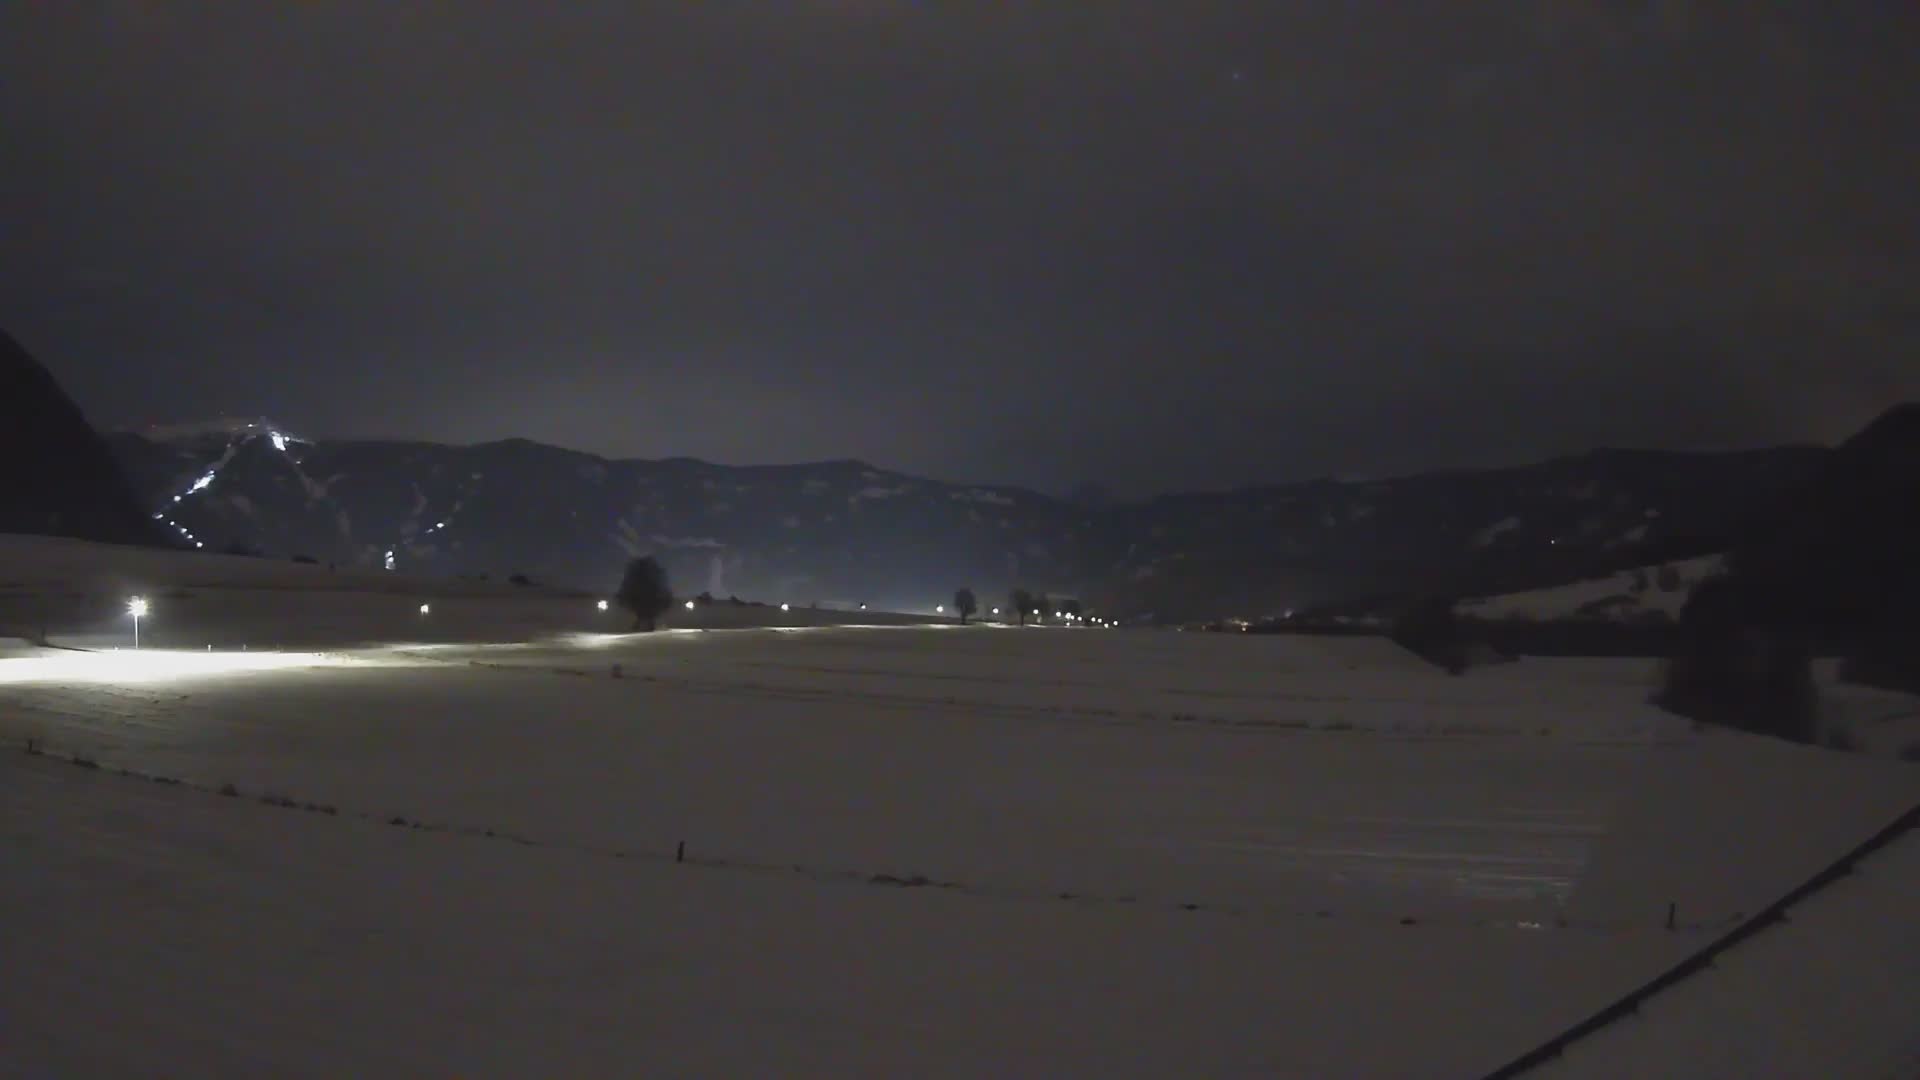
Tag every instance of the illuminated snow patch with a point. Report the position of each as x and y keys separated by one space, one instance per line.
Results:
x=149 y=665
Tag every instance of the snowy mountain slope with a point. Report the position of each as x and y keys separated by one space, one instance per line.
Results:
x=848 y=532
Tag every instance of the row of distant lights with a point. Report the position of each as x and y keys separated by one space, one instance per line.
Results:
x=137 y=607
x=602 y=605
x=206 y=480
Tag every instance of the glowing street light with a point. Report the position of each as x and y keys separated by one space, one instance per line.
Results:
x=996 y=611
x=939 y=609
x=425 y=608
x=786 y=607
x=136 y=607
x=689 y=605
x=602 y=605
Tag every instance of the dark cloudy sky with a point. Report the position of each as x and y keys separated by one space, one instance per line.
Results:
x=1155 y=245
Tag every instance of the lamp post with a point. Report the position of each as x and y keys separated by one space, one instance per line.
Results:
x=136 y=607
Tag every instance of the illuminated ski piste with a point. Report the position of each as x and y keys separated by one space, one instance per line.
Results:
x=237 y=439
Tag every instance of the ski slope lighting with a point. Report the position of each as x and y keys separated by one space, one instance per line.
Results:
x=146 y=665
x=205 y=480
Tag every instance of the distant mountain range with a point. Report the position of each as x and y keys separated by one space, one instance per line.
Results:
x=845 y=532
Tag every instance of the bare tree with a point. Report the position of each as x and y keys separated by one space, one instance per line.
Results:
x=965 y=604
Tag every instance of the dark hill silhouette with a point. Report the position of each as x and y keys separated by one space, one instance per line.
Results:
x=57 y=477
x=1840 y=550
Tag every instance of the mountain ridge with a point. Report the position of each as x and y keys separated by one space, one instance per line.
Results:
x=846 y=531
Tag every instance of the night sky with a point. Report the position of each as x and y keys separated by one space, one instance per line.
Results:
x=1151 y=245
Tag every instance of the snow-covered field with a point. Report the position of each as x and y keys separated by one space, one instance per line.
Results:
x=908 y=849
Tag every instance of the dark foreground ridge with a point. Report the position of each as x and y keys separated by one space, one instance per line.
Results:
x=57 y=477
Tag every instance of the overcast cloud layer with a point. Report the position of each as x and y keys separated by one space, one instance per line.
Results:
x=1165 y=245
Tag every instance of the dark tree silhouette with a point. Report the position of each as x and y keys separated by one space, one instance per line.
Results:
x=1022 y=602
x=1042 y=606
x=1741 y=662
x=965 y=604
x=644 y=591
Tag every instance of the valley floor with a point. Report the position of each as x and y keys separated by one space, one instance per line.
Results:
x=926 y=850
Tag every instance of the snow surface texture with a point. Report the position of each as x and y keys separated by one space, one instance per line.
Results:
x=1830 y=991
x=921 y=850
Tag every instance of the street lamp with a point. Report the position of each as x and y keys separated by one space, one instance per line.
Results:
x=136 y=607
x=425 y=608
x=689 y=605
x=602 y=605
x=939 y=609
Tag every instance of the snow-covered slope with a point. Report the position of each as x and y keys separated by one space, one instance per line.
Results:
x=1826 y=991
x=1646 y=593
